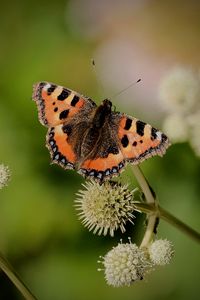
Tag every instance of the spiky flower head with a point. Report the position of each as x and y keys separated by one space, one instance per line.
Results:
x=161 y=252
x=125 y=264
x=105 y=208
x=179 y=90
x=4 y=175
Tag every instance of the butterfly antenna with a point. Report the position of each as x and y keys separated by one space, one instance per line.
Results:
x=125 y=89
x=99 y=81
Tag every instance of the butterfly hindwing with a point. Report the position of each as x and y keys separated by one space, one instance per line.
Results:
x=56 y=104
x=62 y=153
x=139 y=140
x=103 y=167
x=106 y=159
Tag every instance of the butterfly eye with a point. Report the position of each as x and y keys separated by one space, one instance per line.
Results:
x=107 y=103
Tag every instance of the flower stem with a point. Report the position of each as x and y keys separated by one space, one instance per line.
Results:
x=150 y=199
x=165 y=215
x=10 y=272
x=144 y=184
x=179 y=224
x=154 y=211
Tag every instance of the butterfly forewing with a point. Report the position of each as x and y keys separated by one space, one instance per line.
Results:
x=56 y=104
x=139 y=140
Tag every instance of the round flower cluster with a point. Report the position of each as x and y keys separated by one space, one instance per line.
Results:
x=127 y=263
x=105 y=208
x=161 y=252
x=4 y=175
x=180 y=94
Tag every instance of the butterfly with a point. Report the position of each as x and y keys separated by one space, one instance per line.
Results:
x=94 y=140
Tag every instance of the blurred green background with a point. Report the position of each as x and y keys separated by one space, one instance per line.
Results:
x=39 y=229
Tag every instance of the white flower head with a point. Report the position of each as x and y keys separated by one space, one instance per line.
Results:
x=180 y=90
x=4 y=175
x=125 y=264
x=176 y=128
x=105 y=208
x=161 y=252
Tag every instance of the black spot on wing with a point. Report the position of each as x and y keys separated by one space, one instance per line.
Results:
x=153 y=133
x=63 y=95
x=125 y=141
x=67 y=129
x=113 y=149
x=134 y=144
x=140 y=127
x=64 y=114
x=51 y=89
x=164 y=138
x=128 y=124
x=74 y=100
x=56 y=109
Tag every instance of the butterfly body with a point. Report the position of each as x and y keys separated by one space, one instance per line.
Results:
x=94 y=140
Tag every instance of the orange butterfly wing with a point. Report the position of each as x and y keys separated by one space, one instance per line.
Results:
x=57 y=106
x=135 y=141
x=60 y=150
x=103 y=167
x=139 y=140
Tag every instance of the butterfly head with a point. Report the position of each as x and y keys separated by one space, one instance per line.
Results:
x=107 y=104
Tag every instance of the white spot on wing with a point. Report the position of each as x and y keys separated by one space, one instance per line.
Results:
x=159 y=135
x=48 y=85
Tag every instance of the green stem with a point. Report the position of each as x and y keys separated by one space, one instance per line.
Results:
x=179 y=224
x=145 y=207
x=154 y=211
x=143 y=183
x=10 y=272
x=165 y=215
x=150 y=199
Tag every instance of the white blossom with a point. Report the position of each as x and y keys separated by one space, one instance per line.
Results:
x=161 y=252
x=4 y=175
x=125 y=264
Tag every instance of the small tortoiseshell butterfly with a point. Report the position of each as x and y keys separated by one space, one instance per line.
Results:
x=94 y=140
